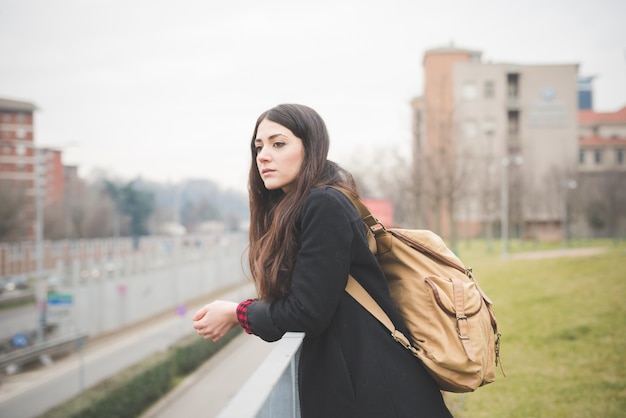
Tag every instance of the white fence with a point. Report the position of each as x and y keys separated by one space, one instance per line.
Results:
x=96 y=297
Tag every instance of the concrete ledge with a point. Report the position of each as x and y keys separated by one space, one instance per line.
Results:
x=273 y=387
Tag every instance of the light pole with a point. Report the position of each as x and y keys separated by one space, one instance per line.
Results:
x=491 y=205
x=570 y=185
x=69 y=184
x=39 y=207
x=504 y=201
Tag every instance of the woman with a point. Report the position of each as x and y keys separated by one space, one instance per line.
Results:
x=305 y=238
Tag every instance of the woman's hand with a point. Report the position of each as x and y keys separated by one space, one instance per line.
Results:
x=214 y=320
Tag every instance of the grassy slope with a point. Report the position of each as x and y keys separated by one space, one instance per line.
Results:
x=563 y=322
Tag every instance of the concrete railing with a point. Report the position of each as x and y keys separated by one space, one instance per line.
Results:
x=272 y=391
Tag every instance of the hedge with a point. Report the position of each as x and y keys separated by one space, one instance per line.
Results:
x=135 y=389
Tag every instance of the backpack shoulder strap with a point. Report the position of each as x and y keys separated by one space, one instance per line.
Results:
x=361 y=295
x=364 y=212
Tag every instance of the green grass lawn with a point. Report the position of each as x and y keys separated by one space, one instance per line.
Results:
x=563 y=322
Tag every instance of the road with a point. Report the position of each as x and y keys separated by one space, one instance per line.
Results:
x=31 y=393
x=19 y=319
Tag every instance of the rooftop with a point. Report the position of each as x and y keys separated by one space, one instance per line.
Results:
x=589 y=141
x=16 y=105
x=589 y=117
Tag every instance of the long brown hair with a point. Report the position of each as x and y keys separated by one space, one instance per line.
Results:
x=274 y=240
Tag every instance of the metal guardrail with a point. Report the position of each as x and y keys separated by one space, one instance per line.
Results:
x=16 y=296
x=52 y=346
x=272 y=390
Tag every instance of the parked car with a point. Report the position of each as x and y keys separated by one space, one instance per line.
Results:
x=10 y=284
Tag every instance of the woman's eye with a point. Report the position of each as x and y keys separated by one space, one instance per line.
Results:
x=279 y=144
x=258 y=149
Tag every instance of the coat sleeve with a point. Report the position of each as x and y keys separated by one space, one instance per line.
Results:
x=320 y=272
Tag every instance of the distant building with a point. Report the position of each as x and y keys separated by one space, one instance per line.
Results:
x=482 y=129
x=54 y=184
x=602 y=141
x=585 y=93
x=601 y=188
x=18 y=162
x=433 y=118
x=382 y=210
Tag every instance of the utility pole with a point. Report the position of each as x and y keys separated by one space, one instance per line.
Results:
x=504 y=201
x=39 y=203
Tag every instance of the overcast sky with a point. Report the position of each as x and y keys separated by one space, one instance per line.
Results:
x=170 y=90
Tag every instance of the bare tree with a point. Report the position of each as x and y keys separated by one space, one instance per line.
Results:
x=386 y=174
x=13 y=203
x=602 y=199
x=54 y=221
x=444 y=182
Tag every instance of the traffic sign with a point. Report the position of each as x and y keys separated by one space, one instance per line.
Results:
x=60 y=299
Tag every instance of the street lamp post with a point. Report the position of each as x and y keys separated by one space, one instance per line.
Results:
x=504 y=201
x=39 y=207
x=570 y=186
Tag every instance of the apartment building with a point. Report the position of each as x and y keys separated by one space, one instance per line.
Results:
x=433 y=138
x=17 y=163
x=499 y=141
x=18 y=168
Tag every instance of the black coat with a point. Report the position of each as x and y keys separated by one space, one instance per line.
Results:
x=349 y=364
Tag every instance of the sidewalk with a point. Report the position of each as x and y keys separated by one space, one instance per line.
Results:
x=207 y=391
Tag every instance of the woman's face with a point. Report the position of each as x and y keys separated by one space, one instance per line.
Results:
x=279 y=155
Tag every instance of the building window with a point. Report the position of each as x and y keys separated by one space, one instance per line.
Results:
x=470 y=129
x=489 y=127
x=20 y=150
x=469 y=90
x=513 y=122
x=489 y=90
x=581 y=157
x=597 y=156
x=512 y=82
x=620 y=156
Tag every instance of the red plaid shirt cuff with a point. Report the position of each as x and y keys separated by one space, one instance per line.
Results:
x=242 y=315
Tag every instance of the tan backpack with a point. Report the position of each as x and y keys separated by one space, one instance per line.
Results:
x=452 y=327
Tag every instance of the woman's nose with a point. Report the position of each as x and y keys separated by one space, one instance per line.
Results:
x=263 y=155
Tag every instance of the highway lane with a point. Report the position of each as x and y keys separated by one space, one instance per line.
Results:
x=18 y=319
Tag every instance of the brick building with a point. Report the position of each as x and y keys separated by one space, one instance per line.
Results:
x=17 y=166
x=18 y=170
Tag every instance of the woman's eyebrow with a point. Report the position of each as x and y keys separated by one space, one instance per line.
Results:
x=270 y=137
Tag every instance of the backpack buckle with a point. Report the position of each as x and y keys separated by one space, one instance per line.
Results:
x=399 y=337
x=458 y=327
